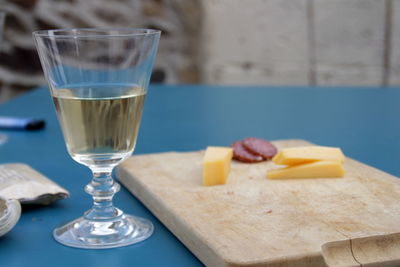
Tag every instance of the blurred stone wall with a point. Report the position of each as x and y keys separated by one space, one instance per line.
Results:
x=301 y=42
x=177 y=19
x=251 y=42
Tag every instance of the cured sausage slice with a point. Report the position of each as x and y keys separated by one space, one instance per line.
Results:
x=240 y=153
x=259 y=147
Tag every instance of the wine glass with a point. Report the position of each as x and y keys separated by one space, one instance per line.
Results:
x=98 y=80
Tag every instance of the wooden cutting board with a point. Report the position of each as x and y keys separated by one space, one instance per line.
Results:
x=254 y=221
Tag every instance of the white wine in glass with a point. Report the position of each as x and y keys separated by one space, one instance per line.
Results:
x=100 y=124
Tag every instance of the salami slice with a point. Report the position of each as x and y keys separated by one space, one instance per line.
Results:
x=240 y=153
x=259 y=147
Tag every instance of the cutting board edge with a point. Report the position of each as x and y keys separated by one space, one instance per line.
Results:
x=364 y=251
x=367 y=169
x=176 y=226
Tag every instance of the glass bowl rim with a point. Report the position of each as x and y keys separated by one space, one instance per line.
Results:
x=95 y=32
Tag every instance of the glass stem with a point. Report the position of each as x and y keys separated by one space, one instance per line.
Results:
x=102 y=188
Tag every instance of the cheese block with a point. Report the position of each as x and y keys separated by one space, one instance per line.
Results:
x=216 y=165
x=299 y=155
x=317 y=169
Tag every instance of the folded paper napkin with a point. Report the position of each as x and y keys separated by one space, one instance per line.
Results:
x=21 y=182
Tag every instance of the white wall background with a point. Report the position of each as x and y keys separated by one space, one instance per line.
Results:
x=301 y=42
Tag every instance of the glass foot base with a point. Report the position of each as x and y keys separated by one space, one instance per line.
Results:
x=124 y=231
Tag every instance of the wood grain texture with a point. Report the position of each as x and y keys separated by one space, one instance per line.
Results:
x=253 y=221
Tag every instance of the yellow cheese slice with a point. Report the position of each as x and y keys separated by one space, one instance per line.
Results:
x=216 y=165
x=317 y=169
x=298 y=155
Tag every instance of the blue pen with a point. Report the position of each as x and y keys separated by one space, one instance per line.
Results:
x=21 y=123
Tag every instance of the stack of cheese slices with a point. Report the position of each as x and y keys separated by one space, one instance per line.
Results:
x=308 y=162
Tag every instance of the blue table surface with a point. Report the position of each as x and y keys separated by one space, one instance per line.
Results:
x=364 y=122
